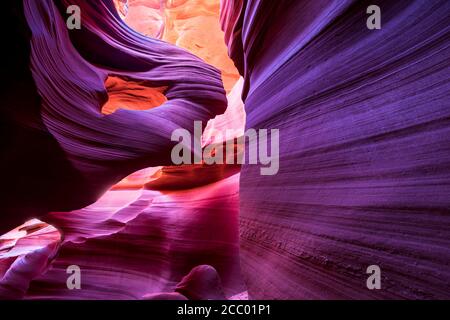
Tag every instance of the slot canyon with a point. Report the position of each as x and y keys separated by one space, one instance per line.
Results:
x=364 y=152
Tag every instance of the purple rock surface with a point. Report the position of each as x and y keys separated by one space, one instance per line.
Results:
x=364 y=119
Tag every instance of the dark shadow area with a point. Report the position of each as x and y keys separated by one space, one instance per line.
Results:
x=36 y=176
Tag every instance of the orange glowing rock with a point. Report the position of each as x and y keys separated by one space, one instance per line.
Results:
x=131 y=95
x=190 y=24
x=137 y=179
x=144 y=16
x=122 y=7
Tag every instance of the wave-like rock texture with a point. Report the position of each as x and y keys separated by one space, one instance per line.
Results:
x=364 y=119
x=131 y=244
x=25 y=253
x=364 y=154
x=159 y=233
x=134 y=243
x=54 y=122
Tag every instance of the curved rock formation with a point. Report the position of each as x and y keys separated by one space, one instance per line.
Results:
x=25 y=253
x=92 y=151
x=132 y=242
x=202 y=283
x=136 y=243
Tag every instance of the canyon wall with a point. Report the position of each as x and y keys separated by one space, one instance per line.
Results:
x=364 y=121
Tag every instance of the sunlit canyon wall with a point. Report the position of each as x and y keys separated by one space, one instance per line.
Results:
x=364 y=150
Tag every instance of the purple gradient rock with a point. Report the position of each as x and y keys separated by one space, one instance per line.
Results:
x=364 y=147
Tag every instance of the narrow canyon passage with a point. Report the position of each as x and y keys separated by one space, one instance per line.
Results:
x=362 y=115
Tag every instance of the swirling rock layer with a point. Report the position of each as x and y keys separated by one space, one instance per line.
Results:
x=58 y=108
x=132 y=244
x=91 y=97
